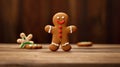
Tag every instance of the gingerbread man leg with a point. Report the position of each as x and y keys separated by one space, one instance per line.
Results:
x=54 y=46
x=65 y=45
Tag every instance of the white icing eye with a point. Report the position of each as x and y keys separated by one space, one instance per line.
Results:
x=63 y=17
x=58 y=17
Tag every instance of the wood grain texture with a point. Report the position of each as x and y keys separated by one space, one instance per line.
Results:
x=97 y=55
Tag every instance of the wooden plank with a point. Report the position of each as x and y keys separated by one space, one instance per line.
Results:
x=96 y=20
x=9 y=10
x=98 y=54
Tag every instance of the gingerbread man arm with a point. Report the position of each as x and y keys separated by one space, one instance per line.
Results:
x=48 y=28
x=71 y=28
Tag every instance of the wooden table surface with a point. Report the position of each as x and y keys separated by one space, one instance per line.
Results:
x=96 y=56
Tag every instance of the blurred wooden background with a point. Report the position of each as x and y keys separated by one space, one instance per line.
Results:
x=97 y=20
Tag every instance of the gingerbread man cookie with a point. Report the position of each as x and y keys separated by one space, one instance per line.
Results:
x=26 y=42
x=60 y=32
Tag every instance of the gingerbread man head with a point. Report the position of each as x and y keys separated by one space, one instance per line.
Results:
x=60 y=19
